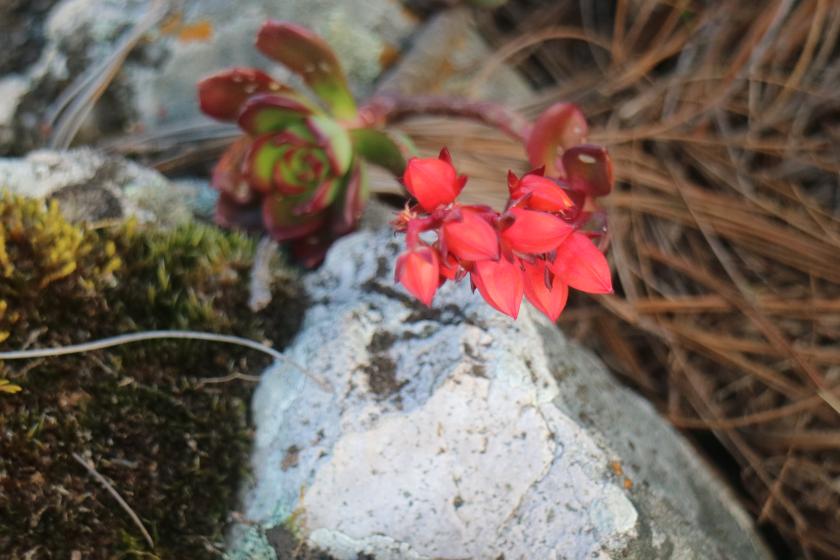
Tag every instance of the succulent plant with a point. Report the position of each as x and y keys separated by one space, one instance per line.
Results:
x=299 y=170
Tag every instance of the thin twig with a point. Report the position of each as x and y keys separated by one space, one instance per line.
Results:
x=111 y=490
x=119 y=340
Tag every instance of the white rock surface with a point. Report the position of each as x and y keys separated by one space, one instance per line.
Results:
x=91 y=185
x=455 y=432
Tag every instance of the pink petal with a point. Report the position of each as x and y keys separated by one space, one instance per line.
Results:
x=582 y=266
x=535 y=232
x=545 y=292
x=418 y=270
x=500 y=284
x=432 y=181
x=470 y=238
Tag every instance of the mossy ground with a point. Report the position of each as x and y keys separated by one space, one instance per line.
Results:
x=173 y=445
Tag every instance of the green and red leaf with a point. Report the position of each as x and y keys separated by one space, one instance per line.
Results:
x=308 y=55
x=379 y=148
x=269 y=112
x=260 y=161
x=283 y=223
x=335 y=141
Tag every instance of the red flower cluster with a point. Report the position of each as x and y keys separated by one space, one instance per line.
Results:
x=534 y=248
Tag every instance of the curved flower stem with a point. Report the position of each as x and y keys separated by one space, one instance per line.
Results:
x=385 y=109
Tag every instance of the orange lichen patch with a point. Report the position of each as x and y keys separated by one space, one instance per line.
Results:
x=201 y=30
x=198 y=31
x=388 y=56
x=616 y=468
x=628 y=484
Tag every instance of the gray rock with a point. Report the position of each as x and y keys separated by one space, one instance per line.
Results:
x=446 y=56
x=94 y=186
x=455 y=432
x=156 y=85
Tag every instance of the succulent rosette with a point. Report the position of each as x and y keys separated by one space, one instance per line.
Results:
x=299 y=171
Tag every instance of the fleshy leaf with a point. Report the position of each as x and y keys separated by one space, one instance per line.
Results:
x=222 y=95
x=559 y=127
x=308 y=55
x=335 y=140
x=269 y=112
x=260 y=162
x=283 y=223
x=589 y=169
x=322 y=197
x=500 y=284
x=355 y=195
x=546 y=292
x=377 y=147
x=582 y=266
x=227 y=174
x=535 y=232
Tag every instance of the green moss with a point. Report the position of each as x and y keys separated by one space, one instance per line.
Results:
x=173 y=445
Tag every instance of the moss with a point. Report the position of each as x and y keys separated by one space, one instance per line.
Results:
x=173 y=445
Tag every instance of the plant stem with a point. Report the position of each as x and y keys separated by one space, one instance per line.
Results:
x=386 y=109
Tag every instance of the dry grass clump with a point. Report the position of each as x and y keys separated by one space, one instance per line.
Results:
x=722 y=119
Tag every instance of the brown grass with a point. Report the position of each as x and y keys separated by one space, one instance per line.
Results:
x=723 y=119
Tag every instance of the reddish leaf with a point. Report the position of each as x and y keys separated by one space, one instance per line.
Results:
x=355 y=195
x=500 y=284
x=589 y=169
x=311 y=57
x=534 y=232
x=582 y=266
x=469 y=236
x=281 y=221
x=418 y=270
x=546 y=292
x=558 y=128
x=222 y=95
x=227 y=174
x=269 y=112
x=260 y=161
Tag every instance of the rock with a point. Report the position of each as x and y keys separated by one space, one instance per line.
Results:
x=447 y=54
x=94 y=186
x=455 y=432
x=156 y=84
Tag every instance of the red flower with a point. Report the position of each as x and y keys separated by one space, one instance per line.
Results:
x=534 y=232
x=433 y=181
x=418 y=270
x=582 y=266
x=469 y=236
x=533 y=250
x=539 y=193
x=544 y=290
x=500 y=284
